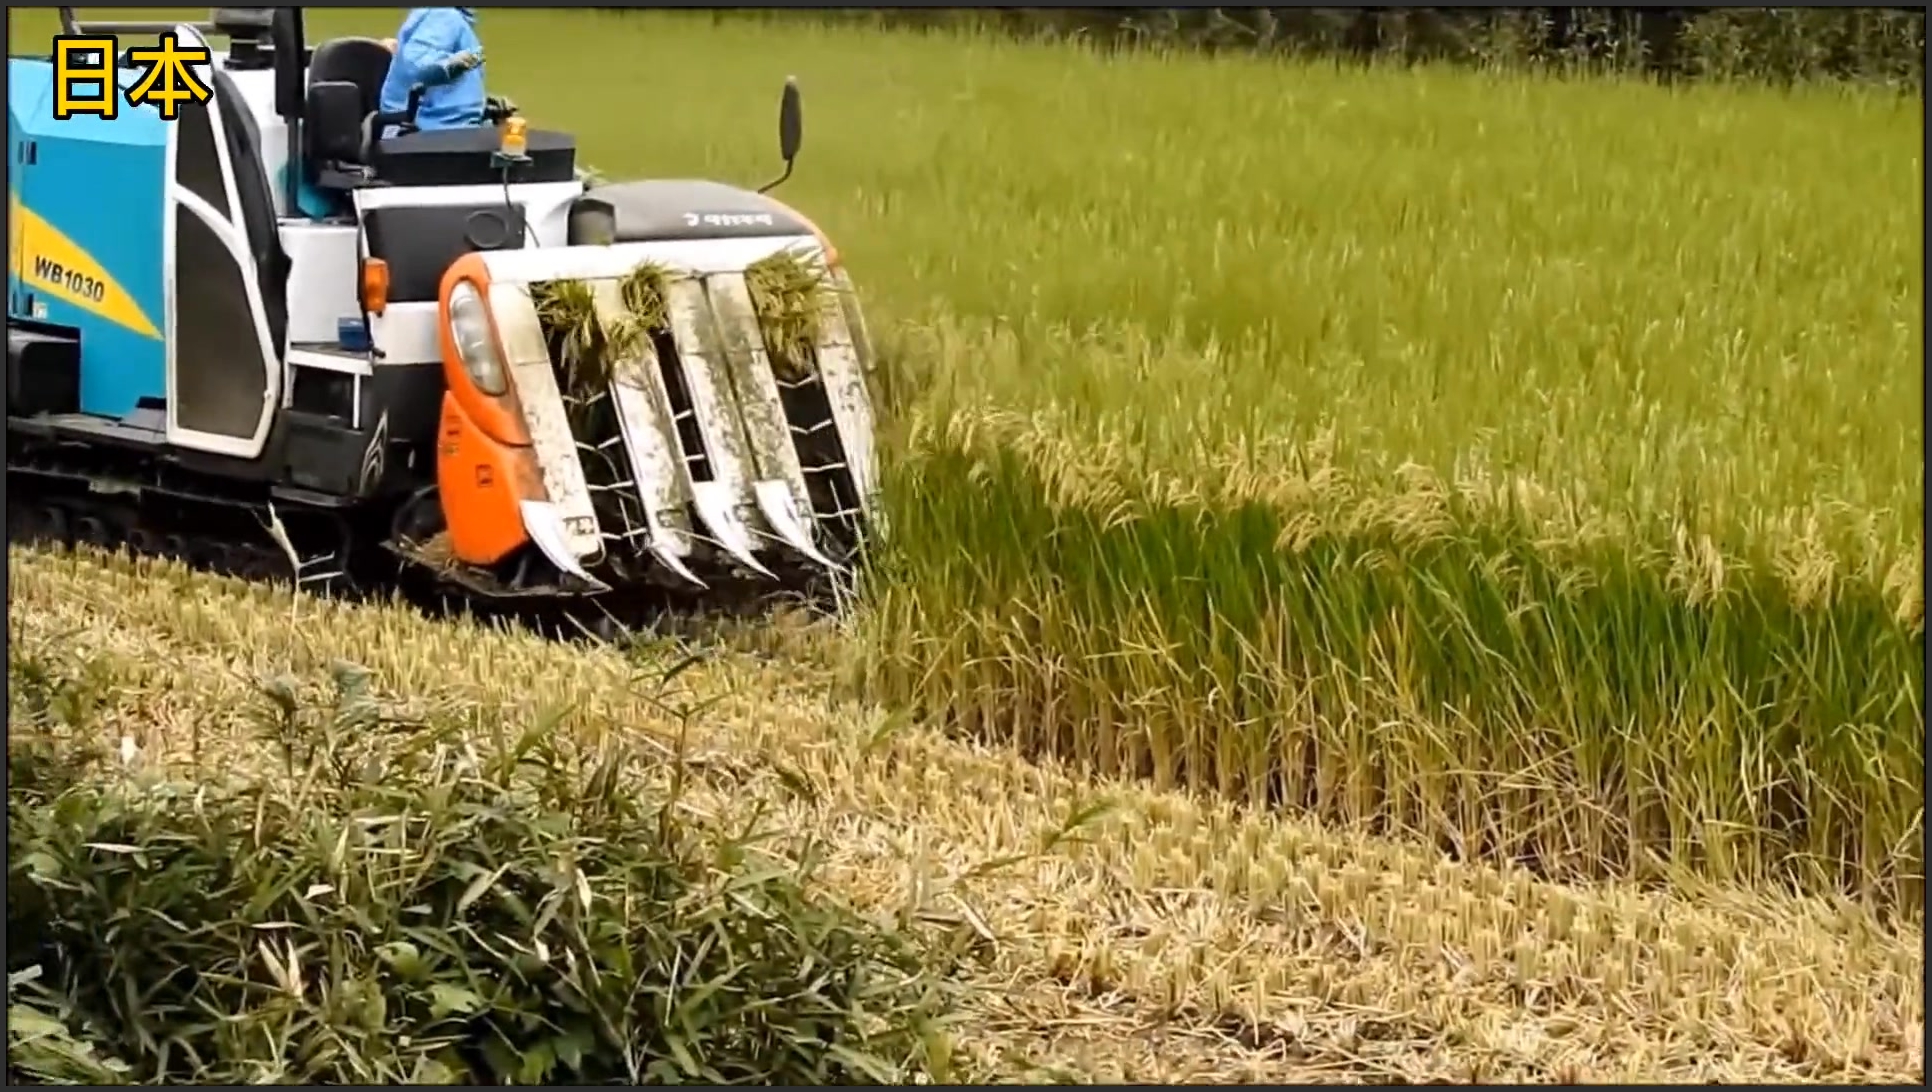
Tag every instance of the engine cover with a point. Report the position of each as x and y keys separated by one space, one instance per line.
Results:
x=664 y=209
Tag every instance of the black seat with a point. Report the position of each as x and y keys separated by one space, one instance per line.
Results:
x=335 y=130
x=345 y=88
x=363 y=62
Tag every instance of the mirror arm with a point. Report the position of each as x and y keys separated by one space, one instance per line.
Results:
x=779 y=181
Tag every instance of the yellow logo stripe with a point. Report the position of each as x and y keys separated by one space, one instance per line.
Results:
x=50 y=262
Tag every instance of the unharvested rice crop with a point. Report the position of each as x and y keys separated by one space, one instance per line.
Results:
x=1533 y=466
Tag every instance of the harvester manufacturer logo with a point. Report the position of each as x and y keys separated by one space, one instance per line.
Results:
x=50 y=262
x=728 y=219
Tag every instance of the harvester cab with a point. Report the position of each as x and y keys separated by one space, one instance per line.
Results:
x=448 y=343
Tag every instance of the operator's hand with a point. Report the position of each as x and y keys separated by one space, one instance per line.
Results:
x=463 y=62
x=501 y=106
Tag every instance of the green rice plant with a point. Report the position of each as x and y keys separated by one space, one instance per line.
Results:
x=789 y=291
x=585 y=345
x=1415 y=656
x=645 y=293
x=580 y=341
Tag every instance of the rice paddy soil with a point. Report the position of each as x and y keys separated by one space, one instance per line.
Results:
x=1522 y=467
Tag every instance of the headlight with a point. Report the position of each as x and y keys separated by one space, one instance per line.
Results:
x=469 y=328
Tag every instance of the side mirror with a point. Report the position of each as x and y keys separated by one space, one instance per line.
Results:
x=791 y=121
x=791 y=131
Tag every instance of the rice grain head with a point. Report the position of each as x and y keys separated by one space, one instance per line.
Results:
x=789 y=291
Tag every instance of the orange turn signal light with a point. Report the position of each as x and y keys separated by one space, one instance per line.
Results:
x=375 y=285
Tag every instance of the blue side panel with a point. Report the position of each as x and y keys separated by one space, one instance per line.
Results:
x=94 y=202
x=30 y=92
x=30 y=86
x=118 y=221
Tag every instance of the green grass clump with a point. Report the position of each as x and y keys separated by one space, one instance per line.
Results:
x=391 y=901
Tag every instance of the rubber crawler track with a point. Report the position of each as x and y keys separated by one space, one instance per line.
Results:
x=53 y=507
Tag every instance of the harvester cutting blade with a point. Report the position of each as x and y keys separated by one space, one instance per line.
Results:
x=843 y=374
x=668 y=547
x=779 y=489
x=775 y=503
x=546 y=528
x=650 y=441
x=723 y=502
x=666 y=554
x=717 y=510
x=572 y=517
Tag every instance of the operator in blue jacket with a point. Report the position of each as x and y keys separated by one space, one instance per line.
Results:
x=438 y=48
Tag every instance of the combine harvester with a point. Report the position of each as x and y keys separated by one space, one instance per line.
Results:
x=265 y=340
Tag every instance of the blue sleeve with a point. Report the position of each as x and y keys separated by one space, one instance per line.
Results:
x=426 y=52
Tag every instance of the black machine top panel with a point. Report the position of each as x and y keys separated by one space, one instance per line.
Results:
x=462 y=157
x=420 y=243
x=690 y=208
